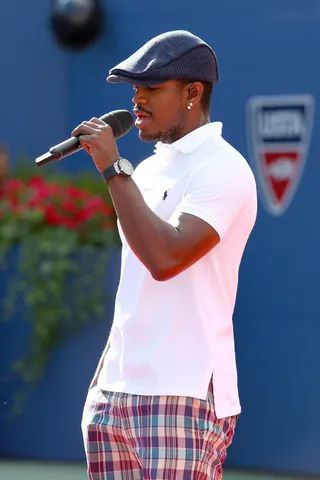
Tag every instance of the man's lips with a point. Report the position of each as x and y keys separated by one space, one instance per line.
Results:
x=141 y=113
x=143 y=118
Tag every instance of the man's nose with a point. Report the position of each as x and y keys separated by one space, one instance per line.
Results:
x=140 y=97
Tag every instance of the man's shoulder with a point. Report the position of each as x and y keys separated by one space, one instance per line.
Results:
x=217 y=147
x=218 y=154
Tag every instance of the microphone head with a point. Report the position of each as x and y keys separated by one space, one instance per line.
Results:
x=121 y=121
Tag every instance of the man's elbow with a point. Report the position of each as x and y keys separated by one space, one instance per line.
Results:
x=164 y=273
x=166 y=267
x=161 y=275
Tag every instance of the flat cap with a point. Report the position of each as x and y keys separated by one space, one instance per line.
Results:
x=176 y=54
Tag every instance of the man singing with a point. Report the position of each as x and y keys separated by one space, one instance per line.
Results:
x=164 y=400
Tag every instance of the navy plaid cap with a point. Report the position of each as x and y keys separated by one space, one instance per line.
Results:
x=177 y=54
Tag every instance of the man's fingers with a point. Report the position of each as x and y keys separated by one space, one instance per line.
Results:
x=96 y=126
x=86 y=139
x=85 y=128
x=86 y=147
x=97 y=121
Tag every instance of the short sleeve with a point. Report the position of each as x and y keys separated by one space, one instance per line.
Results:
x=217 y=194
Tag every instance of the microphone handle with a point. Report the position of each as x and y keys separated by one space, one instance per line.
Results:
x=120 y=121
x=67 y=147
x=62 y=150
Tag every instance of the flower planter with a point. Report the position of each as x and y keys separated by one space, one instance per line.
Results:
x=58 y=245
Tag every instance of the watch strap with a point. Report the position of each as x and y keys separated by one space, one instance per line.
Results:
x=109 y=172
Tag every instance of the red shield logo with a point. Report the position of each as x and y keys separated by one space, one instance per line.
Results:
x=279 y=129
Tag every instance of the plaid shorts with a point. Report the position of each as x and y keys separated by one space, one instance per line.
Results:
x=135 y=437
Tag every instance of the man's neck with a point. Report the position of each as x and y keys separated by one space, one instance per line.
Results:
x=196 y=123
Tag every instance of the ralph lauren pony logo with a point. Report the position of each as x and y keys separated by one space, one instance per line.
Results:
x=165 y=195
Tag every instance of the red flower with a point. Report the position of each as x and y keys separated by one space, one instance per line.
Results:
x=70 y=222
x=12 y=184
x=94 y=202
x=52 y=216
x=69 y=205
x=75 y=192
x=83 y=214
x=36 y=181
x=60 y=204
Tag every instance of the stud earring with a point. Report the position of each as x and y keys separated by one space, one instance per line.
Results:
x=190 y=106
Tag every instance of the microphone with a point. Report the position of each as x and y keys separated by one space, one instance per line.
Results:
x=121 y=121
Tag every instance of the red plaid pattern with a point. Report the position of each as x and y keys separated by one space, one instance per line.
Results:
x=135 y=437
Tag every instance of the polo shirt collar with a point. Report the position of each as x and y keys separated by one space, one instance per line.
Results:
x=192 y=140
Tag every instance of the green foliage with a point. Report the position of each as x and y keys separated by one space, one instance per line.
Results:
x=62 y=232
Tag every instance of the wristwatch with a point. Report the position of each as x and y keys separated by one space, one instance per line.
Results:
x=121 y=167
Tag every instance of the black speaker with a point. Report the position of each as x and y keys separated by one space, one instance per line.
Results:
x=77 y=23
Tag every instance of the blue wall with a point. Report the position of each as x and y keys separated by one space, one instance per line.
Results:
x=264 y=48
x=34 y=84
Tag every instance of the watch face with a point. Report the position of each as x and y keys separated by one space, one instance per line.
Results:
x=125 y=167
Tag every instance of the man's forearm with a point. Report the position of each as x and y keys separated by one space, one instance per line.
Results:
x=154 y=241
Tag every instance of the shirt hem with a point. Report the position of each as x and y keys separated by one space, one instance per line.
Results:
x=136 y=390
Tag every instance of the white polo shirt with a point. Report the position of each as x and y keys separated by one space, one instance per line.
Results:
x=169 y=338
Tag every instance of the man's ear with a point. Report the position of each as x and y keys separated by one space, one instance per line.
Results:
x=195 y=91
